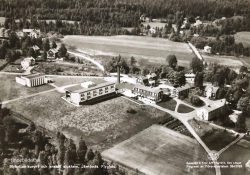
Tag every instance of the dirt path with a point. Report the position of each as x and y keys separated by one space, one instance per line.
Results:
x=89 y=59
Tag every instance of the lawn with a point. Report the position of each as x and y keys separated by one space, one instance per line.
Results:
x=10 y=89
x=63 y=81
x=159 y=151
x=101 y=125
x=2 y=20
x=184 y=109
x=243 y=37
x=153 y=49
x=66 y=68
x=214 y=138
x=2 y=62
x=168 y=104
x=188 y=101
x=230 y=61
x=235 y=153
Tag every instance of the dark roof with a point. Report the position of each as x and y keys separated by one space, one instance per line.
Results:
x=183 y=88
x=146 y=88
x=82 y=89
x=124 y=86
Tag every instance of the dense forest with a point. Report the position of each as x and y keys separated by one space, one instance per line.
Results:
x=97 y=10
x=108 y=17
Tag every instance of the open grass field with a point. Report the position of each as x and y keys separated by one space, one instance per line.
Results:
x=184 y=109
x=2 y=20
x=10 y=89
x=63 y=81
x=159 y=151
x=2 y=62
x=229 y=61
x=102 y=125
x=243 y=37
x=168 y=104
x=235 y=153
x=153 y=49
x=211 y=135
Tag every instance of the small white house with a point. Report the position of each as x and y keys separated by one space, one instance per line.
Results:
x=207 y=49
x=152 y=31
x=197 y=23
x=190 y=77
x=27 y=62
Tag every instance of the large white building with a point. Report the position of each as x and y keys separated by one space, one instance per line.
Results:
x=79 y=94
x=32 y=80
x=148 y=94
x=211 y=111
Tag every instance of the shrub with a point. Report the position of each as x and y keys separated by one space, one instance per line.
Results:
x=195 y=100
x=131 y=110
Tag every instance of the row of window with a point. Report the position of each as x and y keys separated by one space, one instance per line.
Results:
x=95 y=91
x=94 y=95
x=144 y=91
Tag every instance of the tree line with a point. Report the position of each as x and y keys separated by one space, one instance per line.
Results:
x=109 y=17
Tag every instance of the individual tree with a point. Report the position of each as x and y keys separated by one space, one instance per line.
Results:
x=240 y=125
x=43 y=161
x=62 y=50
x=53 y=45
x=70 y=156
x=172 y=60
x=89 y=155
x=31 y=53
x=196 y=65
x=81 y=151
x=221 y=93
x=61 y=148
x=243 y=69
x=231 y=76
x=198 y=80
x=195 y=100
x=46 y=45
x=2 y=52
x=132 y=61
x=38 y=139
x=44 y=56
x=244 y=105
x=10 y=129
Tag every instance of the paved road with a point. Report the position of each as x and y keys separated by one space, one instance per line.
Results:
x=32 y=95
x=87 y=58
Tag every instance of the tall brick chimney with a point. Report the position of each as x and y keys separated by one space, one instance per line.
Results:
x=118 y=74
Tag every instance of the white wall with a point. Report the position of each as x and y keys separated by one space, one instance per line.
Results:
x=21 y=81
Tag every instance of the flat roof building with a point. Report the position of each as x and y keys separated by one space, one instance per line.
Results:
x=148 y=94
x=79 y=94
x=211 y=111
x=32 y=80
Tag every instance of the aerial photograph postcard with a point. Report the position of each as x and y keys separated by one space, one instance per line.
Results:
x=124 y=87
